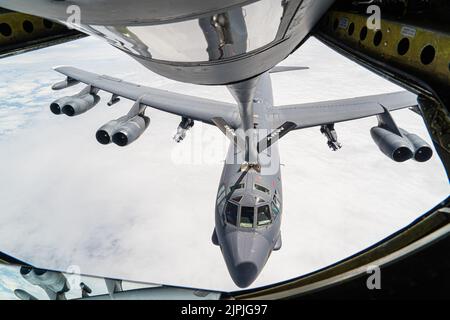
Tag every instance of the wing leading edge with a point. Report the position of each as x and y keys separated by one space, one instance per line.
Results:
x=206 y=110
x=187 y=106
x=329 y=112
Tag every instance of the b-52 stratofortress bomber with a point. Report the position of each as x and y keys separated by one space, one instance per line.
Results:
x=238 y=44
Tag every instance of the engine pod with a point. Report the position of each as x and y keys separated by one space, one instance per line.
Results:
x=57 y=105
x=79 y=105
x=392 y=145
x=131 y=130
x=105 y=133
x=422 y=150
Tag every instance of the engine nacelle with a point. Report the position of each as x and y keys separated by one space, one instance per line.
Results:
x=130 y=130
x=105 y=133
x=392 y=145
x=53 y=281
x=422 y=150
x=80 y=104
x=57 y=105
x=123 y=131
x=75 y=105
x=24 y=295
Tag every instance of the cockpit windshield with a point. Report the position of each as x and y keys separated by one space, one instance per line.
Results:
x=264 y=216
x=247 y=217
x=231 y=213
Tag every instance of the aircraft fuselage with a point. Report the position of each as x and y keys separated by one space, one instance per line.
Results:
x=249 y=204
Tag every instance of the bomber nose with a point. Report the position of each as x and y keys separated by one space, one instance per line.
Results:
x=245 y=273
x=245 y=254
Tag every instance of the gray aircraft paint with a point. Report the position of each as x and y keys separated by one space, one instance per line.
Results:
x=298 y=19
x=246 y=250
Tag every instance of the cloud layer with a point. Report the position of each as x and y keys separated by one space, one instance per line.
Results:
x=133 y=213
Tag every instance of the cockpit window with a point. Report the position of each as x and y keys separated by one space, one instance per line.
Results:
x=236 y=187
x=247 y=217
x=221 y=194
x=221 y=198
x=275 y=209
x=221 y=205
x=275 y=199
x=275 y=205
x=231 y=213
x=264 y=216
x=262 y=189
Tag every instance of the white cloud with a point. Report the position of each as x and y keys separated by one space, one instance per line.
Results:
x=131 y=213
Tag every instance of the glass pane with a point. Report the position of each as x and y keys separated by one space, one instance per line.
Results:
x=247 y=217
x=275 y=199
x=237 y=199
x=275 y=209
x=231 y=213
x=221 y=193
x=236 y=187
x=264 y=216
x=220 y=206
x=262 y=189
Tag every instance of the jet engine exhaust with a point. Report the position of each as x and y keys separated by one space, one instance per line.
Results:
x=122 y=131
x=57 y=105
x=131 y=130
x=105 y=132
x=422 y=150
x=392 y=145
x=75 y=105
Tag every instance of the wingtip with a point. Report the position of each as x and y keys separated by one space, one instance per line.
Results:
x=58 y=68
